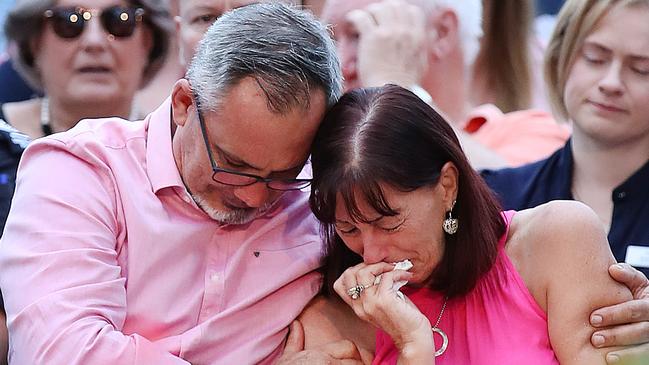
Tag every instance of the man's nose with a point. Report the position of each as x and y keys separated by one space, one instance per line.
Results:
x=255 y=195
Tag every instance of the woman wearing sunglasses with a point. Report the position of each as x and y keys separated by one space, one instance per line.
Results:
x=89 y=57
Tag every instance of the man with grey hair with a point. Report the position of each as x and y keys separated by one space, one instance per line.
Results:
x=429 y=46
x=184 y=238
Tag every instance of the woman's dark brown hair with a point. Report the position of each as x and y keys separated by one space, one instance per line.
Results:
x=388 y=135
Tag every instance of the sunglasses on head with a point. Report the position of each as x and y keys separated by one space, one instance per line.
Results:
x=69 y=22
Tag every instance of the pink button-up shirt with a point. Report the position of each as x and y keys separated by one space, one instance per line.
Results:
x=106 y=259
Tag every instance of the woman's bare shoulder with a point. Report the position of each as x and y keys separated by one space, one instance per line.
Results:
x=557 y=240
x=561 y=251
x=553 y=225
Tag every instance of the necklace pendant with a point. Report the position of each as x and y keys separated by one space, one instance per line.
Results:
x=444 y=341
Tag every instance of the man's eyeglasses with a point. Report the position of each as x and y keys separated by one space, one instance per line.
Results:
x=233 y=178
x=69 y=22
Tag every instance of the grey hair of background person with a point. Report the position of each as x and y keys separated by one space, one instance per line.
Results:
x=469 y=14
x=286 y=50
x=25 y=23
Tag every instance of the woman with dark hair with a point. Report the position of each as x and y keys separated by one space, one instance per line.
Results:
x=393 y=190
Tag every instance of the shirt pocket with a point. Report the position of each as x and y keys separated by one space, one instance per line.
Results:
x=303 y=257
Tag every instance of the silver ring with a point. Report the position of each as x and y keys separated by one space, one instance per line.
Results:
x=355 y=291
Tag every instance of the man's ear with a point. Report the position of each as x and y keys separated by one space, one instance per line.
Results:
x=182 y=100
x=443 y=34
x=449 y=181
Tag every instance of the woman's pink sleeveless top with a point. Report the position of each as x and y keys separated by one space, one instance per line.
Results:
x=499 y=322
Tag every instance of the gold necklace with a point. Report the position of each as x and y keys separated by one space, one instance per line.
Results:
x=437 y=330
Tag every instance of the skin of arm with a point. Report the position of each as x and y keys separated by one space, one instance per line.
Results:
x=328 y=319
x=561 y=252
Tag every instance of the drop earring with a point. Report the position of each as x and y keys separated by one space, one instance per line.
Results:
x=450 y=224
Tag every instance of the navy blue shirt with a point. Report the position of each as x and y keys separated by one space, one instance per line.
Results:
x=551 y=179
x=12 y=144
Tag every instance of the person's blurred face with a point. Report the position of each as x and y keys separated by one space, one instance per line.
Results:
x=346 y=36
x=246 y=137
x=195 y=17
x=607 y=90
x=94 y=66
x=414 y=234
x=314 y=6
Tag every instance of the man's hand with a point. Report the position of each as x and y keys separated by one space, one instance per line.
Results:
x=392 y=43
x=630 y=320
x=340 y=352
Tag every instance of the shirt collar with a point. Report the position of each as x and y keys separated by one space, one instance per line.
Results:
x=559 y=178
x=481 y=115
x=635 y=186
x=161 y=165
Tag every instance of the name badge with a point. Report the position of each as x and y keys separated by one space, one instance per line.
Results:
x=637 y=256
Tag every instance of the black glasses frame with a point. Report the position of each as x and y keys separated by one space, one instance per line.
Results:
x=70 y=22
x=273 y=184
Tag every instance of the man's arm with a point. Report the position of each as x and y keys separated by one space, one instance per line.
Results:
x=328 y=329
x=630 y=320
x=340 y=351
x=64 y=292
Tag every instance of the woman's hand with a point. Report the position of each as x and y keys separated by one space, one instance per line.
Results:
x=382 y=306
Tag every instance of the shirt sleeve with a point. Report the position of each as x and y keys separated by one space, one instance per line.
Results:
x=64 y=291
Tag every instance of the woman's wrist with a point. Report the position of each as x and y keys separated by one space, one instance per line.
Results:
x=419 y=352
x=419 y=349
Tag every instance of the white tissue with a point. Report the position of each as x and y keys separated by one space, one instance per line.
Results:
x=402 y=265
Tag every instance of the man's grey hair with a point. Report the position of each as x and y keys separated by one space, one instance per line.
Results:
x=469 y=15
x=287 y=51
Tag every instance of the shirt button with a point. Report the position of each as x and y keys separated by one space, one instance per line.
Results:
x=621 y=195
x=214 y=278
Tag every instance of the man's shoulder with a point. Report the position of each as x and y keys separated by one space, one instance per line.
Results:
x=111 y=133
x=94 y=137
x=521 y=136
